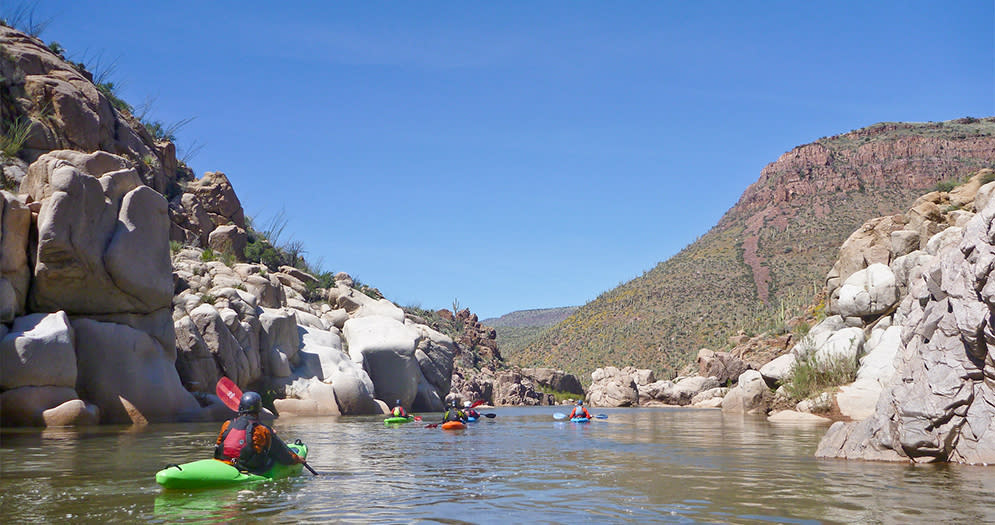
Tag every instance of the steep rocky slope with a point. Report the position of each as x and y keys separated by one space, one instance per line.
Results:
x=772 y=248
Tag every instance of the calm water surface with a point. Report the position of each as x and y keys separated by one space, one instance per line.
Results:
x=639 y=465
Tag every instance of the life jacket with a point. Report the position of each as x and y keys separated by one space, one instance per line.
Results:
x=236 y=443
x=454 y=415
x=399 y=412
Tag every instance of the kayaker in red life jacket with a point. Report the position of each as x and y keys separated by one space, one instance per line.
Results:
x=399 y=410
x=470 y=412
x=580 y=411
x=247 y=443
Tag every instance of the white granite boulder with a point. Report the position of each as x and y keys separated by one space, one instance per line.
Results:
x=139 y=385
x=748 y=396
x=39 y=351
x=386 y=349
x=612 y=387
x=14 y=271
x=120 y=262
x=868 y=292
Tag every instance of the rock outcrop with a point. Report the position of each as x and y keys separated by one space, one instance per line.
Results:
x=936 y=401
x=66 y=111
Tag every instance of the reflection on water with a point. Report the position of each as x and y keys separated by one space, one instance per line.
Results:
x=657 y=465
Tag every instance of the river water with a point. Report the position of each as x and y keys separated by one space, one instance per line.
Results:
x=522 y=466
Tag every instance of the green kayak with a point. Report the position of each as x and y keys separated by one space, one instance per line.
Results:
x=398 y=420
x=206 y=473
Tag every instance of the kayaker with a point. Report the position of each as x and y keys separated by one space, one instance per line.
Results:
x=247 y=443
x=580 y=411
x=470 y=412
x=399 y=410
x=453 y=413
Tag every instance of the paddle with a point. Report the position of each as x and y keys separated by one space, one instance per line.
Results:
x=477 y=403
x=230 y=395
x=559 y=415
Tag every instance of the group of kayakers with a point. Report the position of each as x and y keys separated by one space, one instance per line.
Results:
x=247 y=443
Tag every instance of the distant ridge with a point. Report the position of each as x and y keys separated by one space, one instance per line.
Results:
x=517 y=329
x=774 y=247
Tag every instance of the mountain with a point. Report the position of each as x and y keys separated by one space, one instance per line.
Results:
x=517 y=329
x=769 y=252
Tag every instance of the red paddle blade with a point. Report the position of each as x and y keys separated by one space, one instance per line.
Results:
x=229 y=393
x=477 y=403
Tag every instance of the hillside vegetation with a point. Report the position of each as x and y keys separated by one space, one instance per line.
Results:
x=516 y=330
x=769 y=253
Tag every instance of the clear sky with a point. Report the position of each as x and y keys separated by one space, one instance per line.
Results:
x=517 y=155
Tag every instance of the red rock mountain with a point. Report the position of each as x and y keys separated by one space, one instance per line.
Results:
x=769 y=252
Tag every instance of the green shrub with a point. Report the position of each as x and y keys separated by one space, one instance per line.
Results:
x=107 y=88
x=175 y=247
x=945 y=185
x=559 y=396
x=208 y=299
x=811 y=376
x=13 y=139
x=260 y=251
x=208 y=255
x=57 y=48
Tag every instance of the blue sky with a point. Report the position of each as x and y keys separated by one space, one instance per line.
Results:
x=517 y=155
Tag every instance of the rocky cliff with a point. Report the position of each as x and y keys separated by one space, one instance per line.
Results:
x=119 y=305
x=769 y=252
x=128 y=287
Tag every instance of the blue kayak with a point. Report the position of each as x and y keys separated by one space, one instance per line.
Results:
x=470 y=419
x=579 y=420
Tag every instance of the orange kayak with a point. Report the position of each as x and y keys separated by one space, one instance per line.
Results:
x=453 y=425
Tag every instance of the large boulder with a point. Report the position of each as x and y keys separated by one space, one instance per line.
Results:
x=322 y=358
x=779 y=369
x=858 y=400
x=230 y=239
x=39 y=351
x=870 y=244
x=14 y=271
x=195 y=362
x=749 y=396
x=139 y=385
x=308 y=397
x=723 y=366
x=218 y=196
x=869 y=291
x=687 y=388
x=279 y=341
x=120 y=261
x=513 y=388
x=386 y=349
x=611 y=387
x=554 y=379
x=229 y=355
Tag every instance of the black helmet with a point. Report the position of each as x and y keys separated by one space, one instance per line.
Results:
x=580 y=402
x=250 y=403
x=397 y=403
